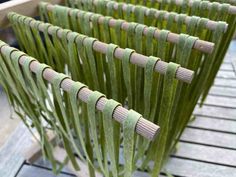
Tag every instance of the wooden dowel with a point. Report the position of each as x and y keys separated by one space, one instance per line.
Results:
x=232 y=8
x=24 y=7
x=211 y=25
x=203 y=46
x=144 y=127
x=182 y=74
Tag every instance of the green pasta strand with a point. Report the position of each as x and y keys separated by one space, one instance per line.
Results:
x=77 y=124
x=92 y=63
x=126 y=71
x=129 y=126
x=110 y=136
x=165 y=111
x=92 y=102
x=112 y=69
x=148 y=79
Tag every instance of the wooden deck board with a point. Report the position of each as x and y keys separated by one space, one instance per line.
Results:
x=226 y=67
x=223 y=91
x=216 y=112
x=32 y=171
x=209 y=154
x=191 y=168
x=220 y=101
x=226 y=74
x=225 y=82
x=217 y=139
x=11 y=157
x=213 y=124
x=44 y=163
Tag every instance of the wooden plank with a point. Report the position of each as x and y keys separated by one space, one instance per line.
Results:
x=218 y=139
x=7 y=124
x=226 y=67
x=206 y=153
x=34 y=152
x=60 y=155
x=226 y=74
x=143 y=174
x=225 y=82
x=229 y=55
x=11 y=157
x=214 y=124
x=45 y=163
x=184 y=167
x=227 y=62
x=216 y=112
x=220 y=101
x=232 y=50
x=32 y=171
x=24 y=7
x=224 y=91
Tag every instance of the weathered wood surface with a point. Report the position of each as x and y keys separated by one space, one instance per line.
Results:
x=216 y=112
x=226 y=67
x=7 y=122
x=193 y=168
x=226 y=74
x=220 y=101
x=223 y=91
x=217 y=125
x=24 y=7
x=211 y=138
x=11 y=157
x=33 y=171
x=231 y=83
x=231 y=53
x=44 y=163
x=209 y=154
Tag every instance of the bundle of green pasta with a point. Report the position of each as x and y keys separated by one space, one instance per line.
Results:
x=211 y=10
x=179 y=23
x=41 y=103
x=205 y=66
x=75 y=51
x=133 y=37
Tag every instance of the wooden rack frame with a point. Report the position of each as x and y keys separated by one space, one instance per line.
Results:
x=24 y=7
